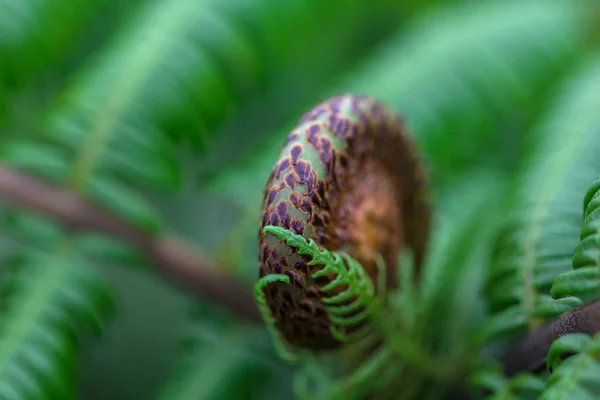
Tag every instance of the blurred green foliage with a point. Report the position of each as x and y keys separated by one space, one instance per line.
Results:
x=170 y=113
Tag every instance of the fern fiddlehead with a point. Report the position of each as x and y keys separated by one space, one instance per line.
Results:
x=349 y=182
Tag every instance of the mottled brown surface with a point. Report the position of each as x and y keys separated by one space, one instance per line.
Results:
x=529 y=353
x=348 y=177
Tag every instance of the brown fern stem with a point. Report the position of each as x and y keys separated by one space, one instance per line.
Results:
x=171 y=256
x=529 y=353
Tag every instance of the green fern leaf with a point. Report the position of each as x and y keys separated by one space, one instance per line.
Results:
x=454 y=275
x=537 y=244
x=37 y=231
x=584 y=280
x=183 y=66
x=572 y=343
x=576 y=377
x=455 y=76
x=521 y=387
x=53 y=300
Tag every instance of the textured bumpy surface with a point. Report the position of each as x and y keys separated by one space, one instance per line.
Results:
x=348 y=177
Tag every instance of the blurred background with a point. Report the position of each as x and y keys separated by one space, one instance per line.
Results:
x=170 y=113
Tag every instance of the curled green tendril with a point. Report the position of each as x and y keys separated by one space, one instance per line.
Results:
x=347 y=272
x=265 y=311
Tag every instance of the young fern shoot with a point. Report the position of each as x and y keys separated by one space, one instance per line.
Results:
x=346 y=196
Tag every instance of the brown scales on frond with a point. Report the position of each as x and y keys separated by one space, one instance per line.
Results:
x=348 y=177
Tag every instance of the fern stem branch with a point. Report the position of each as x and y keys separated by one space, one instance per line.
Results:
x=529 y=353
x=171 y=256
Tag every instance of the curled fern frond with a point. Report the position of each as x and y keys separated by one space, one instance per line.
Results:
x=349 y=296
x=348 y=178
x=267 y=314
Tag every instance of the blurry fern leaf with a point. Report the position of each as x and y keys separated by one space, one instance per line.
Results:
x=456 y=266
x=577 y=376
x=455 y=76
x=584 y=280
x=52 y=301
x=522 y=387
x=183 y=66
x=222 y=359
x=539 y=241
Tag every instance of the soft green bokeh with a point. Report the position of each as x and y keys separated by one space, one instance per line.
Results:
x=170 y=114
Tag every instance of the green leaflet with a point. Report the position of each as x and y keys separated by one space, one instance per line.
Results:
x=572 y=343
x=31 y=156
x=522 y=387
x=38 y=231
x=360 y=289
x=576 y=377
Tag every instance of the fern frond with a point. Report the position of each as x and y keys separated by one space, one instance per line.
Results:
x=456 y=77
x=576 y=377
x=221 y=358
x=353 y=306
x=460 y=71
x=175 y=71
x=470 y=210
x=54 y=299
x=584 y=280
x=36 y=231
x=182 y=67
x=522 y=387
x=538 y=243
